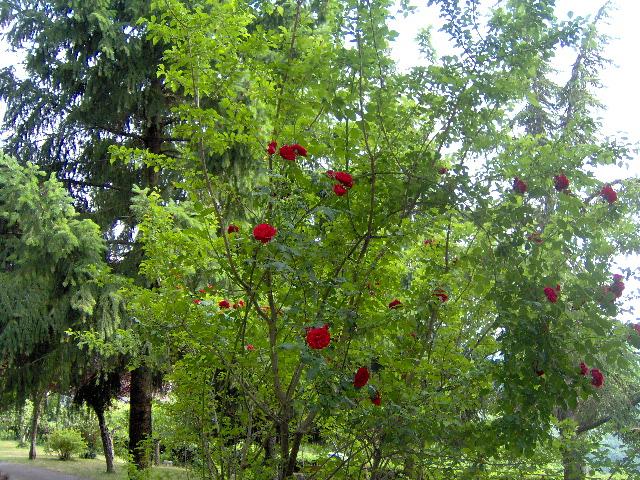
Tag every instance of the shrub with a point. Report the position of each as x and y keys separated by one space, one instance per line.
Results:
x=65 y=443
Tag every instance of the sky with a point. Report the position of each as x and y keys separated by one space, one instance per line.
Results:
x=620 y=94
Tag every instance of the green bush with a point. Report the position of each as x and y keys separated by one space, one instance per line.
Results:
x=65 y=443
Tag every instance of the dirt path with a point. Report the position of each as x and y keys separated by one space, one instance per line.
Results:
x=25 y=472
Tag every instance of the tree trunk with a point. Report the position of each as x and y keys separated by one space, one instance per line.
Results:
x=107 y=443
x=35 y=419
x=140 y=416
x=574 y=468
x=156 y=452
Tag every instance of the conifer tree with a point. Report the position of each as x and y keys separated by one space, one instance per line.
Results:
x=51 y=271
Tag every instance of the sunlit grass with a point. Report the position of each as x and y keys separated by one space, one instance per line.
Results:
x=92 y=469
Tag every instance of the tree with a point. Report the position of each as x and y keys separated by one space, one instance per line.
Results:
x=51 y=271
x=470 y=284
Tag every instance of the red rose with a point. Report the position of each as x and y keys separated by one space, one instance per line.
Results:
x=583 y=369
x=617 y=288
x=339 y=190
x=344 y=178
x=519 y=186
x=250 y=347
x=395 y=303
x=561 y=182
x=331 y=174
x=287 y=152
x=597 y=378
x=443 y=170
x=224 y=304
x=552 y=294
x=239 y=304
x=376 y=400
x=271 y=149
x=299 y=149
x=233 y=228
x=202 y=290
x=428 y=242
x=318 y=338
x=264 y=232
x=197 y=301
x=361 y=378
x=441 y=294
x=535 y=238
x=609 y=194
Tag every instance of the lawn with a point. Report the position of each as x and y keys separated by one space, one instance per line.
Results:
x=93 y=469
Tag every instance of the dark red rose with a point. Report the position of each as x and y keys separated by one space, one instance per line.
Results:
x=271 y=149
x=250 y=347
x=361 y=378
x=299 y=149
x=561 y=182
x=331 y=174
x=583 y=369
x=395 y=303
x=616 y=288
x=608 y=193
x=264 y=232
x=344 y=178
x=551 y=294
x=376 y=399
x=339 y=190
x=535 y=238
x=441 y=294
x=197 y=301
x=233 y=228
x=443 y=170
x=597 y=378
x=318 y=338
x=519 y=186
x=287 y=152
x=224 y=304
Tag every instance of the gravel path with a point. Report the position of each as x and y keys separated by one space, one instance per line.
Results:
x=18 y=471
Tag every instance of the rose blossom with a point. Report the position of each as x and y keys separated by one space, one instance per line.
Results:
x=361 y=377
x=441 y=294
x=552 y=293
x=344 y=178
x=519 y=186
x=318 y=338
x=233 y=228
x=395 y=303
x=597 y=378
x=608 y=193
x=224 y=304
x=299 y=149
x=376 y=400
x=339 y=190
x=287 y=152
x=271 y=149
x=264 y=232
x=560 y=182
x=583 y=369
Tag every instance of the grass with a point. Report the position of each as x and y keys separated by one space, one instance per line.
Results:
x=92 y=469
